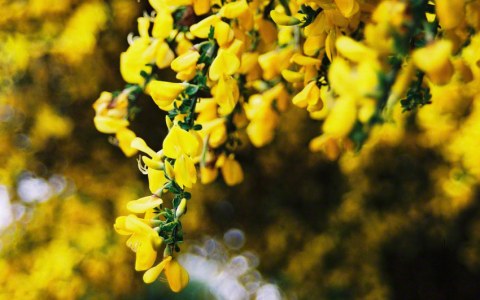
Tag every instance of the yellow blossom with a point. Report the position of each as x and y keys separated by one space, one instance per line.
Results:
x=144 y=241
x=109 y=125
x=450 y=13
x=185 y=172
x=125 y=138
x=185 y=61
x=232 y=171
x=143 y=204
x=225 y=63
x=341 y=119
x=347 y=7
x=226 y=94
x=202 y=28
x=233 y=9
x=177 y=276
x=435 y=61
x=164 y=92
x=309 y=95
x=179 y=141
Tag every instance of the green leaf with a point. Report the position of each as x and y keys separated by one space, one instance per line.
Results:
x=197 y=127
x=191 y=90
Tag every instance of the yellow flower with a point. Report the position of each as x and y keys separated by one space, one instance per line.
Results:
x=164 y=92
x=226 y=94
x=225 y=63
x=328 y=145
x=144 y=204
x=451 y=13
x=185 y=172
x=261 y=133
x=202 y=28
x=144 y=240
x=341 y=119
x=143 y=26
x=179 y=142
x=283 y=19
x=208 y=174
x=164 y=55
x=434 y=60
x=347 y=7
x=313 y=44
x=185 y=61
x=177 y=276
x=201 y=7
x=125 y=138
x=156 y=176
x=106 y=124
x=232 y=171
x=223 y=33
x=134 y=60
x=274 y=62
x=233 y=9
x=292 y=76
x=353 y=50
x=163 y=24
x=304 y=60
x=181 y=209
x=309 y=95
x=357 y=82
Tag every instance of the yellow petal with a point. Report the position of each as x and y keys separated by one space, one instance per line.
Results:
x=164 y=92
x=292 y=76
x=208 y=175
x=282 y=19
x=313 y=44
x=170 y=173
x=185 y=61
x=125 y=138
x=146 y=256
x=179 y=141
x=152 y=274
x=309 y=92
x=201 y=7
x=109 y=125
x=181 y=208
x=134 y=60
x=202 y=28
x=232 y=172
x=435 y=61
x=120 y=226
x=450 y=13
x=143 y=25
x=218 y=135
x=136 y=225
x=225 y=63
x=233 y=9
x=341 y=119
x=163 y=25
x=223 y=33
x=164 y=55
x=156 y=180
x=347 y=7
x=177 y=276
x=185 y=172
x=140 y=145
x=143 y=204
x=153 y=163
x=226 y=94
x=353 y=50
x=305 y=60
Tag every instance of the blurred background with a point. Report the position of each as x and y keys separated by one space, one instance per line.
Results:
x=395 y=221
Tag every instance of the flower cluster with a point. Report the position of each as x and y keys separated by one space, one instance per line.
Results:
x=351 y=64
